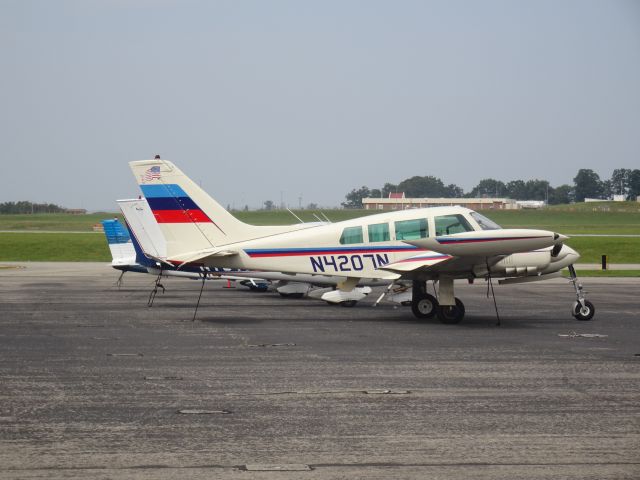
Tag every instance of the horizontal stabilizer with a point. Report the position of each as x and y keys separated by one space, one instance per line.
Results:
x=191 y=257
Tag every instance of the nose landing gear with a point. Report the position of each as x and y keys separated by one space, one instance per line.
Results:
x=582 y=309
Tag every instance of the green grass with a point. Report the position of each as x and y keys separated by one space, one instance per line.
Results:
x=623 y=218
x=606 y=273
x=567 y=222
x=619 y=250
x=54 y=247
x=282 y=217
x=58 y=222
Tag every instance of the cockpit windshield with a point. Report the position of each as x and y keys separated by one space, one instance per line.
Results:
x=484 y=222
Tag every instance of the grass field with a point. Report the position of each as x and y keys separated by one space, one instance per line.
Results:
x=598 y=218
x=54 y=222
x=54 y=247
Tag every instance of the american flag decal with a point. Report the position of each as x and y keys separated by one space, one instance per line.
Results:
x=152 y=173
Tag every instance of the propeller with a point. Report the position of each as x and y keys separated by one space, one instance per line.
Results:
x=559 y=242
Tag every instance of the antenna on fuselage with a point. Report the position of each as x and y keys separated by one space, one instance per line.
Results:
x=299 y=219
x=326 y=218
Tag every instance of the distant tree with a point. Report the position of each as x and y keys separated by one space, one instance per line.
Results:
x=29 y=207
x=354 y=197
x=269 y=205
x=634 y=184
x=516 y=189
x=619 y=183
x=587 y=185
x=490 y=188
x=389 y=188
x=560 y=195
x=246 y=208
x=375 y=193
x=453 y=191
x=536 y=190
x=418 y=187
x=312 y=206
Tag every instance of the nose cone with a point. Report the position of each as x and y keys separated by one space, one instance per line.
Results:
x=566 y=256
x=570 y=253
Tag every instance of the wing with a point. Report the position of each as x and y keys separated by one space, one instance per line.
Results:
x=432 y=264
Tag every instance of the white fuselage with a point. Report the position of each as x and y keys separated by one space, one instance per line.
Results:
x=362 y=247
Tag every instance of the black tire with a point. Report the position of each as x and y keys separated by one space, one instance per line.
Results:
x=292 y=295
x=425 y=306
x=451 y=314
x=585 y=314
x=253 y=288
x=348 y=303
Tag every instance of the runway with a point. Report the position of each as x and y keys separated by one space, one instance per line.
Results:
x=97 y=385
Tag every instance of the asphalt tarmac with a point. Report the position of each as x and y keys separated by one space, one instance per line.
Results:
x=95 y=384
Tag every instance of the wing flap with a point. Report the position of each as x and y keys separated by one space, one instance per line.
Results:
x=424 y=261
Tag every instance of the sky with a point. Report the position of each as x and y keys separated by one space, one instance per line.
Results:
x=302 y=101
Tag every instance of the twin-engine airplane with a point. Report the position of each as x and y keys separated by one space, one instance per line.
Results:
x=147 y=245
x=441 y=244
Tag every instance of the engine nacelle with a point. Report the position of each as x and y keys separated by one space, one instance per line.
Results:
x=490 y=242
x=293 y=288
x=338 y=296
x=522 y=264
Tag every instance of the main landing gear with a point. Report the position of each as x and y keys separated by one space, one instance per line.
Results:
x=582 y=309
x=425 y=305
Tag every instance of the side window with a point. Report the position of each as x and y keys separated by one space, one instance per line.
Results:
x=484 y=222
x=449 y=224
x=412 y=229
x=379 y=232
x=351 y=235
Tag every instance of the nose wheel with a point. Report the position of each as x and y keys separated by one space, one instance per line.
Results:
x=583 y=309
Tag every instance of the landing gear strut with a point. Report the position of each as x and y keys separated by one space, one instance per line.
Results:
x=582 y=309
x=449 y=310
x=423 y=305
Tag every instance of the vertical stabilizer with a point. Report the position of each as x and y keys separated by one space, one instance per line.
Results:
x=122 y=251
x=144 y=228
x=189 y=218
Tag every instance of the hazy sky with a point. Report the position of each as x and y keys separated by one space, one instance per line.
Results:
x=258 y=99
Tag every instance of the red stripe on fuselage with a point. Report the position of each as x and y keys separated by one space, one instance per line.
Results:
x=181 y=216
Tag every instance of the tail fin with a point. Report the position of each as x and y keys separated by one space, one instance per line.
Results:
x=145 y=232
x=189 y=219
x=122 y=251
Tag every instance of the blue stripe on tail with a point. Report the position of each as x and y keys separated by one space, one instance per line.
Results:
x=115 y=232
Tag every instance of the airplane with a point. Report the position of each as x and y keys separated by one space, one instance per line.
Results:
x=123 y=252
x=439 y=244
x=127 y=256
x=150 y=247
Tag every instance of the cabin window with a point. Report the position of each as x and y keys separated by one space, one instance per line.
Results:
x=412 y=229
x=450 y=224
x=379 y=232
x=351 y=235
x=484 y=222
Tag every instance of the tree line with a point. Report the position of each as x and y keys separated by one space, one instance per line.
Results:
x=586 y=184
x=30 y=207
